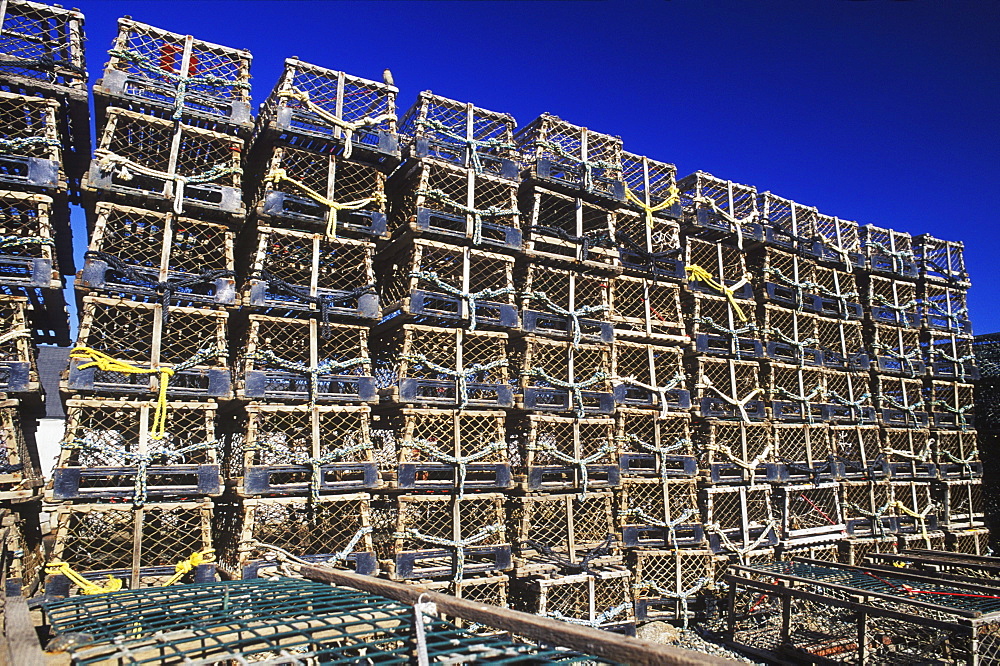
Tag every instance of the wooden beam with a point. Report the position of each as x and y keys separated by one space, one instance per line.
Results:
x=22 y=646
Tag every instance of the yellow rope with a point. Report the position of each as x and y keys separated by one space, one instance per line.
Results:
x=674 y=195
x=105 y=363
x=922 y=517
x=206 y=556
x=700 y=274
x=56 y=567
x=277 y=175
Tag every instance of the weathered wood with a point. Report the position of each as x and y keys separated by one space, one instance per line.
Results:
x=23 y=647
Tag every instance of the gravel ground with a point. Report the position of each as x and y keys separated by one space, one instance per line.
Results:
x=688 y=639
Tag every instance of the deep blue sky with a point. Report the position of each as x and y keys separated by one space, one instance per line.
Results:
x=880 y=111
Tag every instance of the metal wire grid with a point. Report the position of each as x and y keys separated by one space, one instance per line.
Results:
x=491 y=589
x=836 y=283
x=940 y=260
x=663 y=236
x=782 y=325
x=787 y=382
x=551 y=216
x=271 y=620
x=726 y=264
x=576 y=144
x=806 y=444
x=741 y=513
x=899 y=394
x=313 y=261
x=43 y=42
x=428 y=435
x=571 y=525
x=793 y=220
x=421 y=520
x=715 y=316
x=956 y=447
x=898 y=349
x=642 y=308
x=652 y=365
x=975 y=541
x=827 y=552
x=906 y=444
x=103 y=537
x=551 y=440
x=838 y=234
x=572 y=291
x=27 y=236
x=951 y=404
x=29 y=123
x=637 y=427
x=439 y=119
x=703 y=191
x=944 y=308
x=842 y=340
x=715 y=441
x=870 y=501
x=563 y=361
x=18 y=470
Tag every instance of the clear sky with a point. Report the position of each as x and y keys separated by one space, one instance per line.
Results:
x=880 y=111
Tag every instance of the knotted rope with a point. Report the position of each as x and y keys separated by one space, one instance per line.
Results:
x=853 y=404
x=800 y=286
x=461 y=462
x=327 y=367
x=959 y=412
x=876 y=518
x=741 y=552
x=670 y=526
x=276 y=176
x=284 y=555
x=586 y=241
x=477 y=213
x=315 y=465
x=803 y=399
x=650 y=259
x=472 y=144
x=459 y=545
x=575 y=388
x=739 y=404
x=682 y=596
x=737 y=224
x=564 y=563
x=660 y=391
x=574 y=315
x=660 y=451
x=799 y=345
x=324 y=301
x=750 y=466
x=697 y=273
x=588 y=165
x=598 y=621
x=12 y=146
x=965 y=463
x=461 y=377
x=14 y=334
x=579 y=463
x=349 y=128
x=21 y=241
x=910 y=411
x=470 y=298
x=673 y=196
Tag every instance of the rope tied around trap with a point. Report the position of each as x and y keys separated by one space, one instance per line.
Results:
x=477 y=213
x=683 y=595
x=315 y=464
x=660 y=452
x=460 y=462
x=574 y=315
x=737 y=224
x=472 y=144
x=323 y=300
x=660 y=391
x=459 y=545
x=699 y=274
x=276 y=176
x=461 y=377
x=469 y=298
x=649 y=209
x=575 y=388
x=327 y=367
x=549 y=448
x=588 y=165
x=349 y=128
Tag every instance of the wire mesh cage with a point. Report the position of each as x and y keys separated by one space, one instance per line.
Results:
x=734 y=452
x=721 y=327
x=855 y=551
x=448 y=449
x=784 y=279
x=43 y=44
x=646 y=309
x=147 y=160
x=836 y=294
x=252 y=534
x=598 y=598
x=929 y=540
x=837 y=243
x=137 y=450
x=975 y=541
x=802 y=453
x=900 y=401
x=442 y=536
x=717 y=268
x=650 y=376
x=567 y=304
x=727 y=389
x=944 y=308
x=869 y=511
x=739 y=519
x=908 y=452
x=892 y=302
x=951 y=405
x=796 y=393
x=941 y=261
x=435 y=283
x=949 y=356
x=653 y=187
x=560 y=376
x=858 y=449
x=139 y=546
x=27 y=241
x=150 y=256
x=897 y=350
x=889 y=252
x=956 y=453
x=303 y=360
x=30 y=142
x=791 y=336
x=655 y=513
x=567 y=230
x=18 y=372
x=646 y=249
x=824 y=552
x=573 y=158
x=445 y=200
x=675 y=584
x=295 y=273
x=299 y=187
x=320 y=107
x=20 y=471
x=843 y=344
x=557 y=530
x=809 y=513
x=652 y=446
x=720 y=209
x=459 y=132
x=176 y=77
x=565 y=453
x=961 y=503
x=131 y=347
x=295 y=450
x=787 y=224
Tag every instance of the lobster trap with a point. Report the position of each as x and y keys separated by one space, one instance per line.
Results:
x=20 y=471
x=445 y=200
x=858 y=449
x=598 y=598
x=717 y=269
x=956 y=454
x=652 y=446
x=559 y=531
x=892 y=302
x=303 y=359
x=727 y=389
x=950 y=356
x=252 y=534
x=295 y=450
x=721 y=327
x=566 y=453
x=326 y=109
x=897 y=351
x=869 y=510
x=787 y=224
x=837 y=243
x=449 y=449
x=175 y=77
x=920 y=506
x=655 y=513
x=944 y=309
x=809 y=513
x=929 y=540
x=43 y=46
x=295 y=273
x=142 y=547
x=22 y=545
x=961 y=503
x=824 y=552
x=739 y=519
x=152 y=256
x=648 y=251
x=490 y=589
x=27 y=241
x=646 y=309
x=951 y=405
x=18 y=372
x=566 y=304
x=791 y=337
x=675 y=584
x=900 y=401
x=836 y=294
x=145 y=160
x=796 y=393
x=30 y=145
x=450 y=367
x=563 y=230
x=134 y=450
x=802 y=454
x=131 y=347
x=734 y=452
x=889 y=252
x=653 y=190
x=440 y=284
x=785 y=279
x=650 y=376
x=437 y=536
x=975 y=541
x=843 y=345
x=572 y=158
x=560 y=376
x=717 y=209
x=856 y=551
x=315 y=190
x=941 y=261
x=908 y=453
x=458 y=132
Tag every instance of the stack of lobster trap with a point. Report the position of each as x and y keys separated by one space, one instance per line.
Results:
x=140 y=459
x=43 y=130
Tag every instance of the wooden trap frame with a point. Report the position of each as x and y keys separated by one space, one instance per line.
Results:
x=892 y=302
x=975 y=541
x=646 y=309
x=296 y=274
x=836 y=294
x=676 y=584
x=950 y=356
x=858 y=450
x=787 y=224
x=944 y=308
x=572 y=158
x=727 y=389
x=900 y=401
x=824 y=552
x=897 y=350
x=28 y=254
x=333 y=531
x=962 y=505
x=931 y=540
x=432 y=366
x=303 y=360
x=809 y=513
x=567 y=230
x=869 y=509
x=784 y=279
x=455 y=203
x=555 y=531
x=566 y=304
x=719 y=327
x=739 y=519
x=650 y=376
x=856 y=551
x=941 y=261
x=922 y=506
x=20 y=471
x=734 y=452
x=837 y=244
x=956 y=453
x=122 y=450
x=889 y=252
x=47 y=315
x=298 y=450
x=147 y=161
x=18 y=372
x=849 y=397
x=440 y=284
x=565 y=453
x=492 y=589
x=790 y=336
x=599 y=598
x=25 y=558
x=149 y=256
x=950 y=405
x=449 y=449
x=655 y=513
x=32 y=154
x=326 y=109
x=718 y=209
x=442 y=536
x=842 y=344
x=652 y=446
x=560 y=376
x=649 y=252
x=796 y=393
x=43 y=44
x=175 y=77
x=908 y=452
x=192 y=342
x=802 y=453
x=140 y=546
x=654 y=184
x=723 y=265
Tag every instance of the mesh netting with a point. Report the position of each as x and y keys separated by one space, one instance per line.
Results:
x=941 y=260
x=557 y=440
x=550 y=520
x=736 y=203
x=28 y=125
x=44 y=43
x=645 y=308
x=790 y=217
